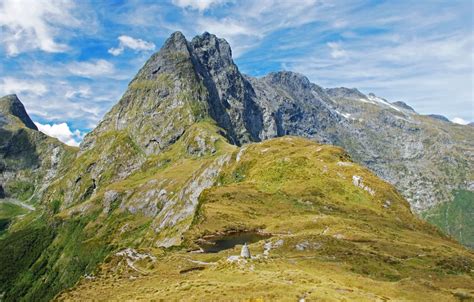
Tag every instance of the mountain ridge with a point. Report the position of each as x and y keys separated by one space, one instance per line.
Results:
x=391 y=139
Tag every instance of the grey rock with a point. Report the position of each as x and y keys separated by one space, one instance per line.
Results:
x=245 y=252
x=306 y=245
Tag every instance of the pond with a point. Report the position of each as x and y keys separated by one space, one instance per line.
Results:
x=217 y=243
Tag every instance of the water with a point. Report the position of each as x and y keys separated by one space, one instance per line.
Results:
x=224 y=242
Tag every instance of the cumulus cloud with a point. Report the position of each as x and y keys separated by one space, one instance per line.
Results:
x=200 y=5
x=90 y=69
x=461 y=121
x=10 y=85
x=62 y=132
x=132 y=43
x=34 y=24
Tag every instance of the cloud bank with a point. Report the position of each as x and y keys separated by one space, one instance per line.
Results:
x=62 y=132
x=35 y=24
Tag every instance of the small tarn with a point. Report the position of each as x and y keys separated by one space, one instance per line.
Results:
x=219 y=242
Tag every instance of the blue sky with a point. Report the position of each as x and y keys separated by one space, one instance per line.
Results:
x=70 y=61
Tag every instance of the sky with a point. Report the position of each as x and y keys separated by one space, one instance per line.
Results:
x=70 y=61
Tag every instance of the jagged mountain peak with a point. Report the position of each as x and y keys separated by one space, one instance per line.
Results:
x=180 y=84
x=205 y=51
x=177 y=39
x=174 y=52
x=211 y=49
x=11 y=105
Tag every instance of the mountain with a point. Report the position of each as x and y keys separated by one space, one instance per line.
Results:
x=425 y=159
x=190 y=164
x=29 y=160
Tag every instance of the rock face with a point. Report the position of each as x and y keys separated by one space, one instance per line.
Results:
x=424 y=157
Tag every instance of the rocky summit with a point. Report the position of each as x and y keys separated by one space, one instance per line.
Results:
x=204 y=183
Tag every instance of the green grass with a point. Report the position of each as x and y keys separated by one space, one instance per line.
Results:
x=297 y=191
x=455 y=218
x=42 y=259
x=18 y=252
x=22 y=190
x=8 y=211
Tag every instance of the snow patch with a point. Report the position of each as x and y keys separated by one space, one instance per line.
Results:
x=376 y=100
x=373 y=99
x=346 y=115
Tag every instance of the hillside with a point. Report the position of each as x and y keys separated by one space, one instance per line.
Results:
x=315 y=232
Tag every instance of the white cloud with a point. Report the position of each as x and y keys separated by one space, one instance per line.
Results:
x=245 y=24
x=62 y=132
x=336 y=50
x=81 y=92
x=34 y=24
x=9 y=85
x=461 y=121
x=132 y=43
x=200 y=5
x=90 y=69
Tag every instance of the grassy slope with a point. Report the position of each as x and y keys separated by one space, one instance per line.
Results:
x=8 y=211
x=81 y=235
x=356 y=248
x=455 y=218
